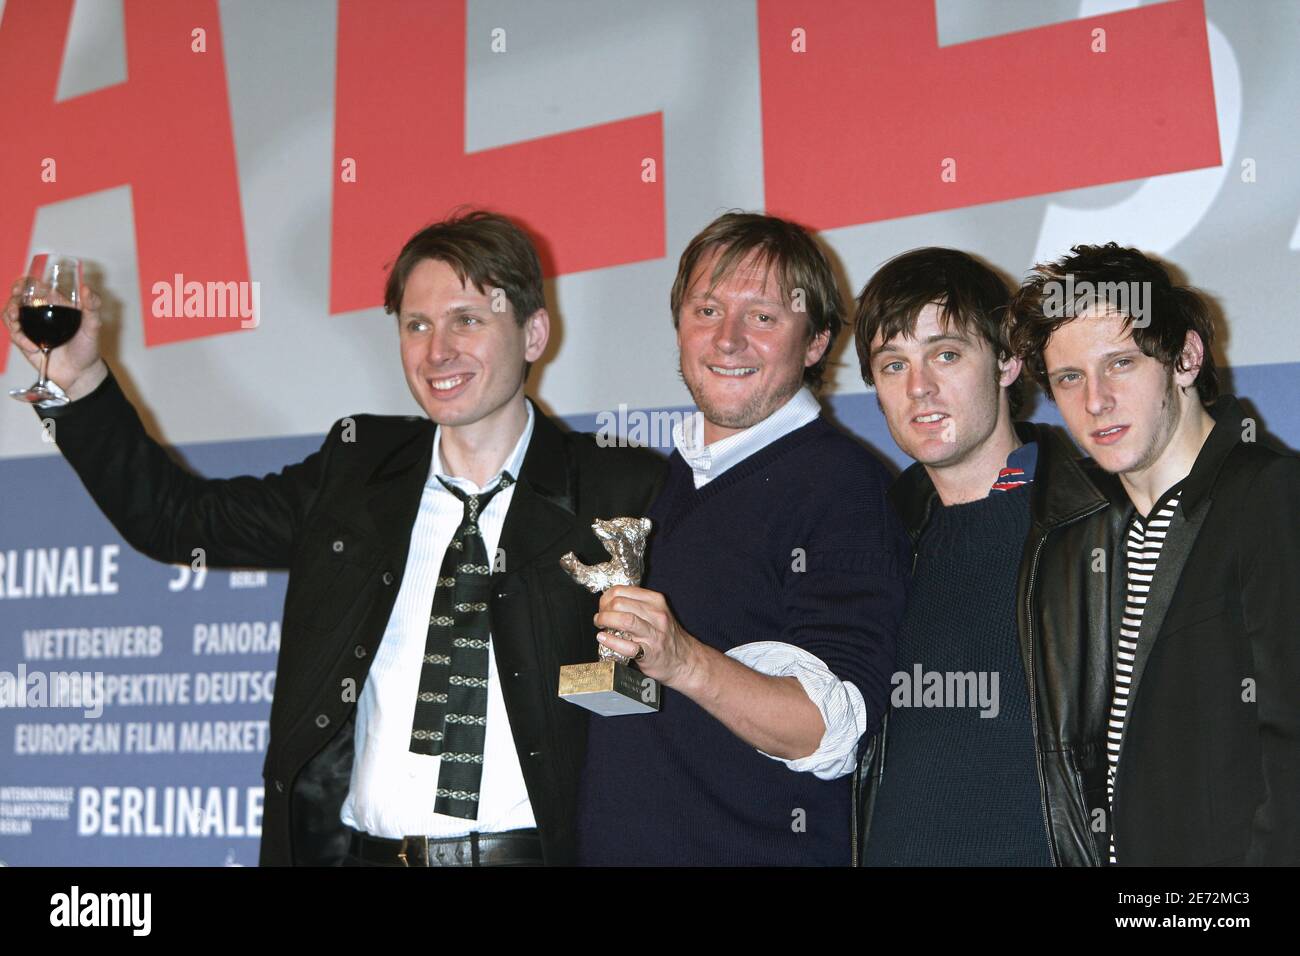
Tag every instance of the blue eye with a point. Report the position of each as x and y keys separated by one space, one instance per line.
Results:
x=954 y=355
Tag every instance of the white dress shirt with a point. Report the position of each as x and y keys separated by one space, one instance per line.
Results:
x=392 y=790
x=841 y=705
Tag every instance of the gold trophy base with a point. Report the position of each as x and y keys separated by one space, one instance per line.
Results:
x=609 y=688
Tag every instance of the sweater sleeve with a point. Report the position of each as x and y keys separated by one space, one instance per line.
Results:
x=845 y=587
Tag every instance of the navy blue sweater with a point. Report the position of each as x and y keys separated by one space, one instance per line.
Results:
x=797 y=544
x=960 y=784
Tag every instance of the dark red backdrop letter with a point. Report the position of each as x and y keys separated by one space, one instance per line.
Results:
x=857 y=128
x=165 y=132
x=400 y=115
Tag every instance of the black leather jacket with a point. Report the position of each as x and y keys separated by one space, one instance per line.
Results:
x=1077 y=519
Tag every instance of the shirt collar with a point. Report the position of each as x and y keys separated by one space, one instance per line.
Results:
x=514 y=461
x=709 y=461
x=1019 y=469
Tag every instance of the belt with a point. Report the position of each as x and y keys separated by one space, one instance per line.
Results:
x=475 y=849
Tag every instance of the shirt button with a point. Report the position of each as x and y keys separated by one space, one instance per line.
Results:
x=359 y=651
x=388 y=577
x=279 y=786
x=534 y=753
x=338 y=545
x=322 y=720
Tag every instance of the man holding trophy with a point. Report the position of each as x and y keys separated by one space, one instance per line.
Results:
x=774 y=584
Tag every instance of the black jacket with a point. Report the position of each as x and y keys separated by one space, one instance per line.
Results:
x=1209 y=767
x=341 y=521
x=1064 y=612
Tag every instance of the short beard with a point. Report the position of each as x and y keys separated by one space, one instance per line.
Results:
x=1165 y=425
x=747 y=416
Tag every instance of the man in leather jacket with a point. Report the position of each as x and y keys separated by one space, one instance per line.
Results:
x=994 y=751
x=1204 y=730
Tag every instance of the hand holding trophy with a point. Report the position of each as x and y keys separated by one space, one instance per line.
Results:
x=611 y=685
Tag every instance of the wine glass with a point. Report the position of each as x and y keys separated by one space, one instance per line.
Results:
x=49 y=313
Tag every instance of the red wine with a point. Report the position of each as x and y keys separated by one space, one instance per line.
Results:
x=49 y=326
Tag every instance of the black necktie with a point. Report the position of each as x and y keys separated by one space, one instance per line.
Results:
x=451 y=707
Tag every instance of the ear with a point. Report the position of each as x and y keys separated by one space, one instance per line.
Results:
x=537 y=331
x=1191 y=359
x=817 y=346
x=1009 y=370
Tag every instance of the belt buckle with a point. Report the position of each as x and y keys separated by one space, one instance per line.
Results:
x=401 y=852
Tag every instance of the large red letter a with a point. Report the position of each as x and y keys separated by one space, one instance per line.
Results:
x=165 y=132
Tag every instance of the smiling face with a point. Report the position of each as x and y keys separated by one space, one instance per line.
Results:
x=1121 y=405
x=941 y=390
x=463 y=362
x=743 y=351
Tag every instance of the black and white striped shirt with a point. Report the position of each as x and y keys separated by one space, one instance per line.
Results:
x=1145 y=540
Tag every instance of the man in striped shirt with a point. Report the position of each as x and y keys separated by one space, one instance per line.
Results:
x=1204 y=730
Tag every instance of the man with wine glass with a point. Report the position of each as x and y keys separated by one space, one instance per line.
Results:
x=415 y=719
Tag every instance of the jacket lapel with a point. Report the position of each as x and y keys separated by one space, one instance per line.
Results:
x=543 y=506
x=1119 y=588
x=1180 y=537
x=1194 y=504
x=1061 y=492
x=393 y=491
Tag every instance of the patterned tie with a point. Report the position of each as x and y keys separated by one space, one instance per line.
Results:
x=451 y=708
